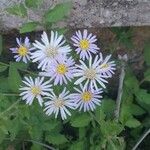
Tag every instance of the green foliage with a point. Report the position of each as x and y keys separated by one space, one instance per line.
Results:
x=143 y=96
x=14 y=78
x=18 y=10
x=33 y=3
x=111 y=128
x=56 y=138
x=28 y=27
x=57 y=13
x=81 y=120
x=3 y=67
x=147 y=75
x=147 y=53
x=1 y=44
x=124 y=36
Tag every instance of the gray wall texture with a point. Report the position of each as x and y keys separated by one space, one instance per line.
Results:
x=86 y=13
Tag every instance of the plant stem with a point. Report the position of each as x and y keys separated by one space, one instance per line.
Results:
x=9 y=108
x=120 y=91
x=141 y=139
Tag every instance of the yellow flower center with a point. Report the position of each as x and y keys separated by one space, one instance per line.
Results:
x=51 y=52
x=22 y=51
x=58 y=102
x=36 y=90
x=104 y=66
x=84 y=44
x=86 y=96
x=61 y=69
x=90 y=73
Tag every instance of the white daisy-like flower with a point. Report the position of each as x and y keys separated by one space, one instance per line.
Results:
x=23 y=51
x=107 y=67
x=59 y=104
x=35 y=89
x=91 y=73
x=85 y=44
x=86 y=98
x=49 y=50
x=61 y=70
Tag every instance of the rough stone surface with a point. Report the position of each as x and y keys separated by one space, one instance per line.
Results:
x=86 y=13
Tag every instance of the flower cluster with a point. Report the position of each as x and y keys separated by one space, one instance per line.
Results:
x=53 y=56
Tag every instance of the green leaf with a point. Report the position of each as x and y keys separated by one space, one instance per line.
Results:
x=147 y=75
x=100 y=115
x=1 y=44
x=132 y=123
x=14 y=78
x=111 y=128
x=81 y=120
x=18 y=10
x=3 y=68
x=56 y=138
x=136 y=110
x=19 y=65
x=58 y=12
x=28 y=27
x=77 y=146
x=143 y=96
x=33 y=3
x=147 y=53
x=35 y=147
x=108 y=106
x=131 y=82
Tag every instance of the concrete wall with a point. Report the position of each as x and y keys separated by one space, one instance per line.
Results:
x=86 y=13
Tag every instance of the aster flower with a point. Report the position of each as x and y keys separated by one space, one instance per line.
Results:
x=49 y=50
x=107 y=67
x=91 y=73
x=59 y=104
x=85 y=44
x=87 y=99
x=22 y=52
x=35 y=89
x=61 y=70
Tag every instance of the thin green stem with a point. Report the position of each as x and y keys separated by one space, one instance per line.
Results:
x=9 y=108
x=141 y=139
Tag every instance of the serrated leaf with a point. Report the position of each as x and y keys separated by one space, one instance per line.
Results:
x=81 y=120
x=18 y=10
x=57 y=13
x=147 y=53
x=1 y=44
x=28 y=27
x=14 y=78
x=33 y=3
x=143 y=96
x=56 y=138
x=132 y=123
x=3 y=68
x=111 y=128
